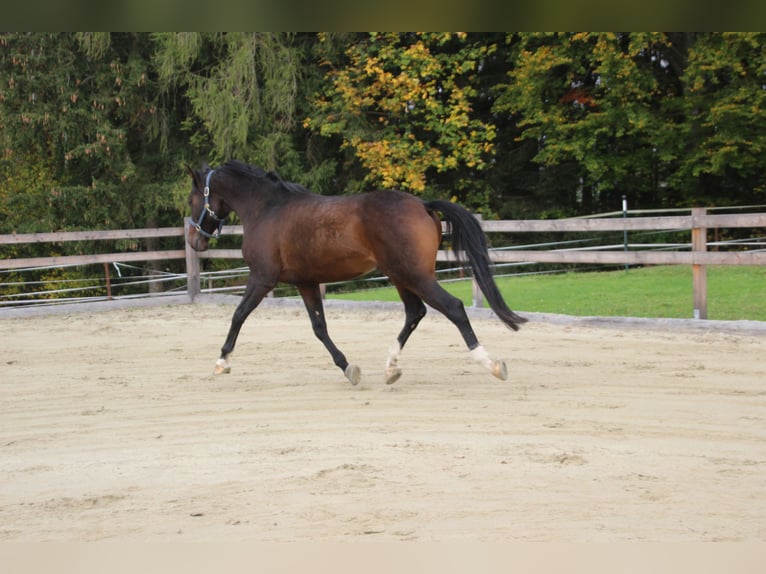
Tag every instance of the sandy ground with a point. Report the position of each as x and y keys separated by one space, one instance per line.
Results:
x=112 y=427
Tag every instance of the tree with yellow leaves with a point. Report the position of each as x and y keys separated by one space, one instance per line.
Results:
x=402 y=104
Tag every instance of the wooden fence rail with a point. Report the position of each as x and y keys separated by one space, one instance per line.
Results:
x=697 y=223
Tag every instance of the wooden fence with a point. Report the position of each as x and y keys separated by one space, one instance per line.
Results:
x=698 y=223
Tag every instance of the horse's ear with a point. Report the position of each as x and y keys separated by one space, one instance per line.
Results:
x=196 y=176
x=205 y=166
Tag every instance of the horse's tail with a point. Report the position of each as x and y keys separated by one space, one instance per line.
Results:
x=468 y=238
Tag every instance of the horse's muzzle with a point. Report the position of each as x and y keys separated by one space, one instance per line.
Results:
x=198 y=242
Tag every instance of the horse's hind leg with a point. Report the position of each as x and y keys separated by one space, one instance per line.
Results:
x=414 y=310
x=453 y=309
x=312 y=298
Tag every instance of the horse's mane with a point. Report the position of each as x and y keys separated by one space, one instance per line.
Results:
x=256 y=174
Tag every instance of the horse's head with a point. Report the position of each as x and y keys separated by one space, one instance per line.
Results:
x=208 y=209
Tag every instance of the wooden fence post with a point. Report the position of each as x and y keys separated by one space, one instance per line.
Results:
x=699 y=272
x=108 y=278
x=192 y=266
x=477 y=297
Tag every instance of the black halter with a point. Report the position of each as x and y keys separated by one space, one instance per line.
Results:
x=207 y=211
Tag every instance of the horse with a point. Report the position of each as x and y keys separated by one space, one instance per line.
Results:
x=304 y=239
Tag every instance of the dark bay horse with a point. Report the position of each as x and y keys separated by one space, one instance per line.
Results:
x=297 y=237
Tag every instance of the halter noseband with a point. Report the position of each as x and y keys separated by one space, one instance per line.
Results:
x=208 y=211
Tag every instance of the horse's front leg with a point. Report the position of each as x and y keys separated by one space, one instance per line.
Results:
x=312 y=297
x=255 y=291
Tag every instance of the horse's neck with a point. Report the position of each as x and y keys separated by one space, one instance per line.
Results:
x=247 y=201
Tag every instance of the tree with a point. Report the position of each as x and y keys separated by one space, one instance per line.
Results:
x=242 y=88
x=403 y=106
x=589 y=100
x=86 y=109
x=721 y=156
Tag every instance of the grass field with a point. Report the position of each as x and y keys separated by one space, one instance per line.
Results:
x=734 y=293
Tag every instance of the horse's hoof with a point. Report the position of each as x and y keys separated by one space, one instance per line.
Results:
x=353 y=374
x=222 y=367
x=392 y=375
x=500 y=370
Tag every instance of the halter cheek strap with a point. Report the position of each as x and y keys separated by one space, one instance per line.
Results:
x=208 y=211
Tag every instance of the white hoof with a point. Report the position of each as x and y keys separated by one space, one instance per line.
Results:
x=497 y=368
x=222 y=366
x=353 y=374
x=500 y=370
x=392 y=375
x=393 y=372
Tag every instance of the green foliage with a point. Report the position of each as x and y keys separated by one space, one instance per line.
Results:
x=670 y=119
x=76 y=108
x=85 y=139
x=242 y=89
x=590 y=99
x=725 y=128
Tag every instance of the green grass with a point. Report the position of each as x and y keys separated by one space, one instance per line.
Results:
x=734 y=293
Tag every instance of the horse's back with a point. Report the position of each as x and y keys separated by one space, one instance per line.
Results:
x=322 y=239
